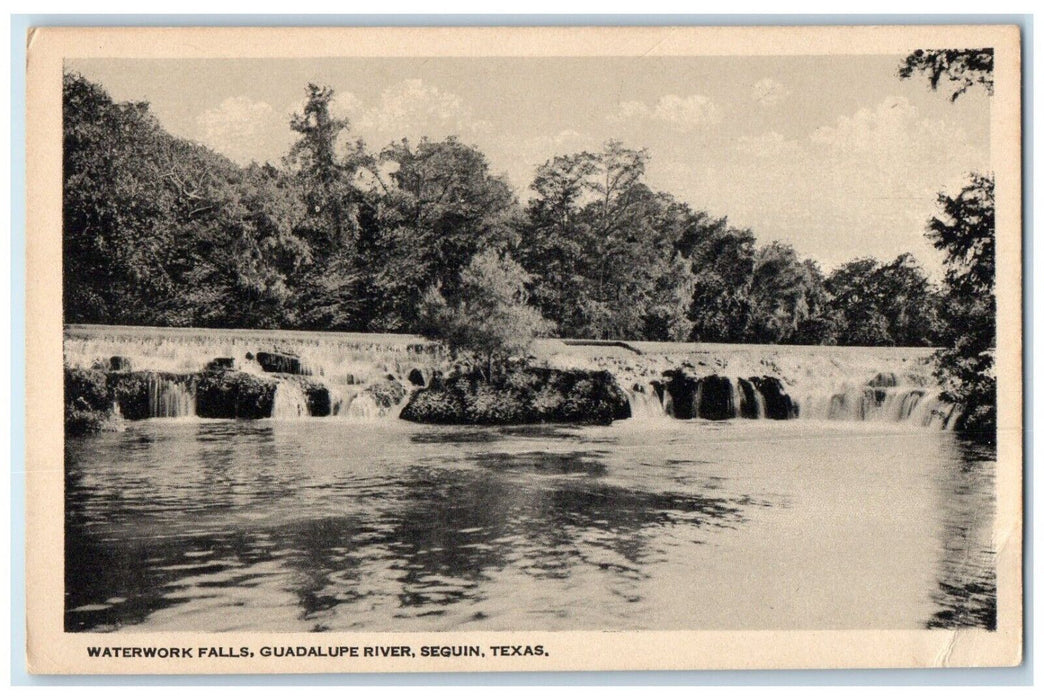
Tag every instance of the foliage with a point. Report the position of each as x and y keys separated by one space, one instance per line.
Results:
x=161 y=231
x=438 y=207
x=878 y=304
x=600 y=245
x=490 y=316
x=963 y=68
x=424 y=238
x=965 y=231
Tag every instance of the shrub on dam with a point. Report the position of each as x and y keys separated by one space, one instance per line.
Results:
x=88 y=406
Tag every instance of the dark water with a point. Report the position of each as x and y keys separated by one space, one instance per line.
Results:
x=332 y=525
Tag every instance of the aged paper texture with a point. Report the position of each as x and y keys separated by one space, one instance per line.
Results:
x=523 y=349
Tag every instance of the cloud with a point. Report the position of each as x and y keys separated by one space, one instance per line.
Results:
x=679 y=113
x=244 y=130
x=863 y=184
x=410 y=109
x=768 y=92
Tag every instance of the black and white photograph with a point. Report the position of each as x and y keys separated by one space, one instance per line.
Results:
x=559 y=343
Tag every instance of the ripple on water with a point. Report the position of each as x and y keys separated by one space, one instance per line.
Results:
x=304 y=527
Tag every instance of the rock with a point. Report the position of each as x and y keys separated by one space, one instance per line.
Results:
x=281 y=363
x=235 y=395
x=884 y=380
x=416 y=377
x=118 y=363
x=386 y=394
x=749 y=399
x=131 y=393
x=221 y=364
x=317 y=394
x=716 y=398
x=518 y=396
x=319 y=404
x=778 y=404
x=682 y=389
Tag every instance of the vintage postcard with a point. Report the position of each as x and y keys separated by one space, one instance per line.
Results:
x=523 y=349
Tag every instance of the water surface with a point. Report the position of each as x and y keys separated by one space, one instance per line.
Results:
x=327 y=524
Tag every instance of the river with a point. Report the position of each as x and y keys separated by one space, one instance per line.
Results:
x=326 y=524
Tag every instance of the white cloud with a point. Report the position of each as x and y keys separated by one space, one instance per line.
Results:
x=411 y=109
x=864 y=184
x=244 y=130
x=768 y=92
x=679 y=113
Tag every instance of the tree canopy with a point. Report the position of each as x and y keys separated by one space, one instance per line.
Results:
x=339 y=236
x=962 y=68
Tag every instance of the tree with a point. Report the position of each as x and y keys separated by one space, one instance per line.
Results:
x=244 y=265
x=722 y=259
x=601 y=247
x=909 y=301
x=884 y=304
x=490 y=317
x=965 y=231
x=788 y=297
x=153 y=225
x=328 y=291
x=437 y=208
x=856 y=297
x=962 y=68
x=326 y=178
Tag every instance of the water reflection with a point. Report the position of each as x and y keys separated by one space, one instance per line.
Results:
x=318 y=526
x=967 y=594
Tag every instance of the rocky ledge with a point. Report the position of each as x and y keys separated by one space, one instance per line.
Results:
x=519 y=395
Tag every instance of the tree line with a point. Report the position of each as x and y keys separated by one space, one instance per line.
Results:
x=159 y=230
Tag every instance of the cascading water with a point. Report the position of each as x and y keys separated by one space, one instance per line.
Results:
x=169 y=398
x=340 y=399
x=289 y=402
x=823 y=383
x=645 y=403
x=759 y=404
x=364 y=408
x=912 y=405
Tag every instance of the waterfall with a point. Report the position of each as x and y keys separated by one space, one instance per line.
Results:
x=735 y=398
x=912 y=405
x=364 y=408
x=171 y=399
x=932 y=412
x=289 y=402
x=668 y=403
x=344 y=358
x=645 y=403
x=340 y=399
x=759 y=404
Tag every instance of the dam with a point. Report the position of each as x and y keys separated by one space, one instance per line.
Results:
x=359 y=376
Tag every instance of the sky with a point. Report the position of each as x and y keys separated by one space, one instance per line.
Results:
x=832 y=154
